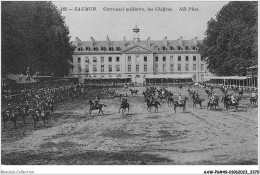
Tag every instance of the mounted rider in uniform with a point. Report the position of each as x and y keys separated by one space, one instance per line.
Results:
x=96 y=101
x=233 y=99
x=180 y=99
x=124 y=99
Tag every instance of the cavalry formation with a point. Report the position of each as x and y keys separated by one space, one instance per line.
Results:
x=39 y=104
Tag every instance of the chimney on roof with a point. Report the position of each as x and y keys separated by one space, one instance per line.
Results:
x=148 y=42
x=165 y=41
x=181 y=41
x=77 y=39
x=92 y=40
x=195 y=40
x=124 y=39
x=108 y=39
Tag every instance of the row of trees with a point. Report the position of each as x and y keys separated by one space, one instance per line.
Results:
x=34 y=33
x=231 y=45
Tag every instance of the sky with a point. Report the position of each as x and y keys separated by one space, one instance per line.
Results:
x=154 y=24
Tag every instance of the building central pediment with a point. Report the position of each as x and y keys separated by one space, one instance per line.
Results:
x=137 y=50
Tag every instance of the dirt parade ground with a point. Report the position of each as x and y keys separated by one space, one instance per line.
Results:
x=196 y=136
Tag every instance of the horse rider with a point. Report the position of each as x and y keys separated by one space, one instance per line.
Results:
x=9 y=109
x=152 y=99
x=197 y=94
x=162 y=93
x=180 y=99
x=124 y=99
x=254 y=95
x=96 y=101
x=213 y=97
x=27 y=106
x=233 y=100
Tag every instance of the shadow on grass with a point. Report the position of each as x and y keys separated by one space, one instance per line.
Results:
x=84 y=158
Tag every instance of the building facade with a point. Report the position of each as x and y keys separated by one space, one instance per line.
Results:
x=137 y=58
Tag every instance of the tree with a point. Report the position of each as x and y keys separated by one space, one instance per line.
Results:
x=230 y=45
x=34 y=33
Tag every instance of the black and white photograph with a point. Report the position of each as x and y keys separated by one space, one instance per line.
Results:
x=142 y=83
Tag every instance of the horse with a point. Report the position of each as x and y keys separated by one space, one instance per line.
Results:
x=191 y=92
x=9 y=116
x=151 y=104
x=183 y=105
x=170 y=100
x=133 y=91
x=162 y=96
x=208 y=92
x=123 y=106
x=253 y=100
x=23 y=113
x=97 y=107
x=230 y=103
x=213 y=103
x=197 y=101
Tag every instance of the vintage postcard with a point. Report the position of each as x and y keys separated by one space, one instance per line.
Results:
x=152 y=83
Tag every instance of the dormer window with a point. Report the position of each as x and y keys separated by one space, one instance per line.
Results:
x=95 y=48
x=171 y=48
x=179 y=48
x=103 y=48
x=117 y=48
x=186 y=48
x=79 y=48
x=164 y=48
x=111 y=48
x=87 y=48
x=193 y=48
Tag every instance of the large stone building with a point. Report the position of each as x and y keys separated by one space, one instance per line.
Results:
x=137 y=59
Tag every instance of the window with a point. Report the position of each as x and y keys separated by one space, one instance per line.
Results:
x=79 y=59
x=79 y=48
x=117 y=48
x=171 y=67
x=87 y=48
x=171 y=48
x=194 y=66
x=79 y=67
x=102 y=59
x=187 y=48
x=111 y=48
x=187 y=58
x=145 y=68
x=110 y=59
x=86 y=60
x=136 y=58
x=86 y=68
x=95 y=48
x=137 y=68
x=164 y=48
x=187 y=67
x=129 y=58
x=145 y=58
x=156 y=68
x=117 y=68
x=179 y=48
x=110 y=68
x=129 y=68
x=164 y=58
x=193 y=48
x=202 y=67
x=103 y=48
x=194 y=58
x=94 y=68
x=164 y=67
x=179 y=67
x=171 y=58
x=179 y=58
x=156 y=59
x=94 y=59
x=102 y=68
x=117 y=59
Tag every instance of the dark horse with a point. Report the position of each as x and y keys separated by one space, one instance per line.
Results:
x=97 y=107
x=213 y=103
x=253 y=100
x=133 y=92
x=197 y=101
x=124 y=106
x=230 y=103
x=151 y=104
x=183 y=105
x=170 y=100
x=9 y=116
